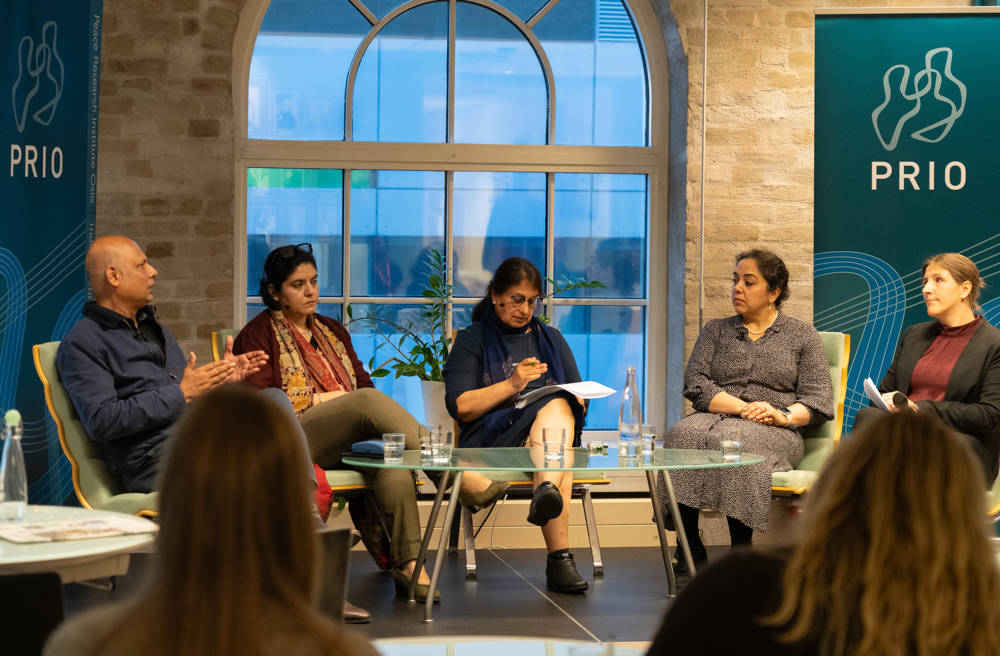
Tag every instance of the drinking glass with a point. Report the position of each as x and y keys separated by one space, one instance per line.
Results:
x=392 y=447
x=554 y=441
x=647 y=439
x=425 y=440
x=441 y=447
x=732 y=450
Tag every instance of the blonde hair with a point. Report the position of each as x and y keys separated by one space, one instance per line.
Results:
x=896 y=558
x=962 y=269
x=236 y=548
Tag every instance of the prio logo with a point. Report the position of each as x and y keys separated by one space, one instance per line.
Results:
x=948 y=96
x=37 y=91
x=39 y=80
x=929 y=104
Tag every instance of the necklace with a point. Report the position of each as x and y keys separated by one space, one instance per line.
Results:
x=763 y=330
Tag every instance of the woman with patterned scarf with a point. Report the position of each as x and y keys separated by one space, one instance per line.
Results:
x=504 y=352
x=313 y=361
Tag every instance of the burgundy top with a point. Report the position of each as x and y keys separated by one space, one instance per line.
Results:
x=929 y=381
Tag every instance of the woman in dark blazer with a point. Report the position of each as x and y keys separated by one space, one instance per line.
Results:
x=951 y=366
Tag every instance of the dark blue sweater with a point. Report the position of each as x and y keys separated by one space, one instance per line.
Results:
x=124 y=380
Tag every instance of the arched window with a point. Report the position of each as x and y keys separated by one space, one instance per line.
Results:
x=380 y=129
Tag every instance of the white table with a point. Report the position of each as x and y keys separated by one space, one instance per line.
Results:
x=72 y=560
x=501 y=646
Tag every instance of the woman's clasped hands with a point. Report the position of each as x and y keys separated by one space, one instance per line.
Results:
x=763 y=413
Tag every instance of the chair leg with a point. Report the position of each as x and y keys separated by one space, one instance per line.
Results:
x=470 y=543
x=591 y=520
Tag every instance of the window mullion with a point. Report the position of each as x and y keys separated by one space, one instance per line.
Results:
x=550 y=238
x=450 y=108
x=449 y=239
x=346 y=242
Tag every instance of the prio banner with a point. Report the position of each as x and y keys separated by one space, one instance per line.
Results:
x=906 y=167
x=50 y=63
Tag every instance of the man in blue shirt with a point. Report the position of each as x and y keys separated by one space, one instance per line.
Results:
x=125 y=372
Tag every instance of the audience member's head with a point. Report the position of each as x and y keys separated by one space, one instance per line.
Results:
x=962 y=270
x=278 y=266
x=896 y=557
x=236 y=549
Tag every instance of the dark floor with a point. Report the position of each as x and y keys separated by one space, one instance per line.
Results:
x=507 y=598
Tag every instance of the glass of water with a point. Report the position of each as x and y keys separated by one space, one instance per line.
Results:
x=554 y=441
x=732 y=450
x=647 y=439
x=441 y=447
x=425 y=440
x=392 y=447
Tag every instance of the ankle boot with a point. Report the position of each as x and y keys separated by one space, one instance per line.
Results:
x=689 y=518
x=561 y=574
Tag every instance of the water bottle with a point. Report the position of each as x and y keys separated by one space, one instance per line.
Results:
x=13 y=475
x=629 y=418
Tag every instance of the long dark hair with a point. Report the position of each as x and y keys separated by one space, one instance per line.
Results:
x=511 y=272
x=281 y=263
x=235 y=560
x=772 y=268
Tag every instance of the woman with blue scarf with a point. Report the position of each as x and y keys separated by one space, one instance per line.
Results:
x=505 y=353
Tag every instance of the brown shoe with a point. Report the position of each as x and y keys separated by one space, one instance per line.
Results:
x=355 y=614
x=477 y=501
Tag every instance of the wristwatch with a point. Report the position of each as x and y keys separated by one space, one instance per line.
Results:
x=788 y=416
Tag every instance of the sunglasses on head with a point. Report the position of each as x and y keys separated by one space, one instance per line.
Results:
x=288 y=252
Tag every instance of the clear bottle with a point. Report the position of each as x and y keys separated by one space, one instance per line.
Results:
x=629 y=417
x=13 y=474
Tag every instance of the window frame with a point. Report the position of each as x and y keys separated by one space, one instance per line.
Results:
x=348 y=155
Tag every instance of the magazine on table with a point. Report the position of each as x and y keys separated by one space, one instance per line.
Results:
x=586 y=389
x=75 y=529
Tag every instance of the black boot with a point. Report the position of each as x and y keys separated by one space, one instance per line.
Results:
x=740 y=535
x=689 y=518
x=561 y=574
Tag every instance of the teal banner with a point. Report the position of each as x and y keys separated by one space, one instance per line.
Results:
x=49 y=63
x=906 y=152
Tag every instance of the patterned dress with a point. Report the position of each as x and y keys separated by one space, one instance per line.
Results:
x=786 y=365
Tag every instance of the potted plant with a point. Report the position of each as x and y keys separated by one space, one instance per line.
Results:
x=420 y=348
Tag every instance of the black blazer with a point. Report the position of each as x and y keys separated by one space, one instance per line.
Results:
x=972 y=397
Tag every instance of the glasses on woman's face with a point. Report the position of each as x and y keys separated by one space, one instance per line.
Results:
x=517 y=300
x=288 y=252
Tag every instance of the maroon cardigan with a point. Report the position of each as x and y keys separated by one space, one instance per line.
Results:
x=258 y=334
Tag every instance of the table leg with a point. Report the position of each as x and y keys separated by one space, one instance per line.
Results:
x=681 y=534
x=661 y=533
x=425 y=542
x=442 y=546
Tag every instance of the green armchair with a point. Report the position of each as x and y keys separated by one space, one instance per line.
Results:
x=93 y=482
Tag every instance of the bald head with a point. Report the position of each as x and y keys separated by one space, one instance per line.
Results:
x=120 y=276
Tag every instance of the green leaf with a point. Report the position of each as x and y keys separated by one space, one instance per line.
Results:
x=379 y=373
x=350 y=311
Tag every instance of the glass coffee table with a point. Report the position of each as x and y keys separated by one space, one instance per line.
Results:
x=525 y=459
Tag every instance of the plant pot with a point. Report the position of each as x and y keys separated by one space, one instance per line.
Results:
x=435 y=411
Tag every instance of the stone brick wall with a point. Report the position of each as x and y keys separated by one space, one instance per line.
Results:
x=758 y=141
x=165 y=155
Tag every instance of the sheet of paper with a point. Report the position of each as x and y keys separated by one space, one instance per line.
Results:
x=586 y=389
x=871 y=389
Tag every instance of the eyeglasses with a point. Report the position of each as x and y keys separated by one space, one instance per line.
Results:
x=288 y=252
x=518 y=300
